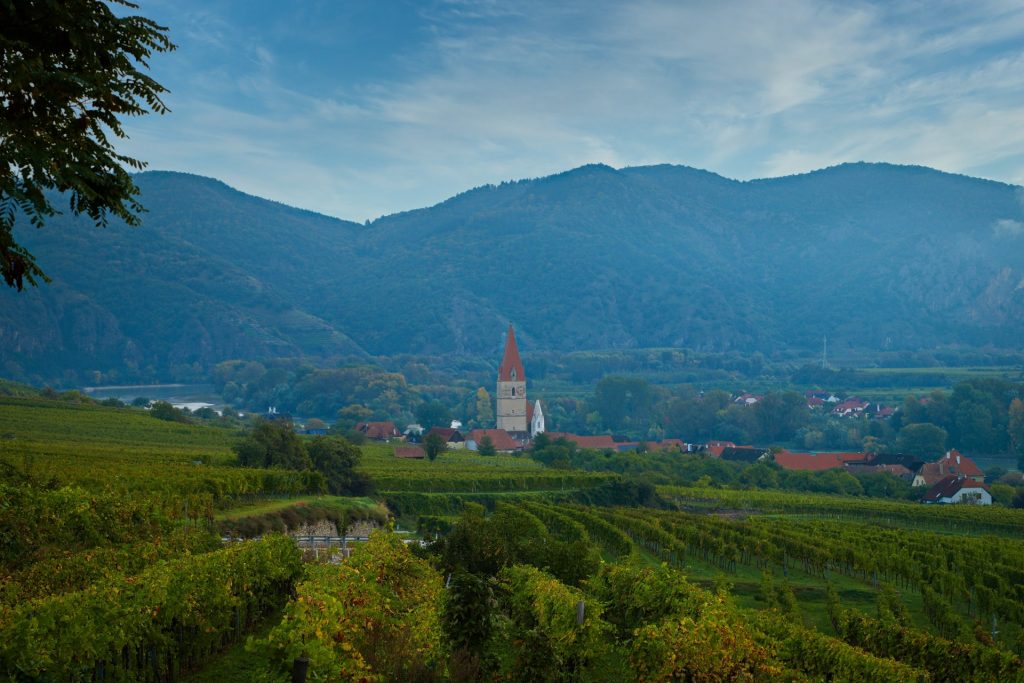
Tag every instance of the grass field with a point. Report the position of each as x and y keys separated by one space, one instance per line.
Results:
x=125 y=449
x=264 y=506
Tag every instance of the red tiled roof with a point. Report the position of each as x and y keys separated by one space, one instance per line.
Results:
x=851 y=404
x=499 y=437
x=409 y=452
x=668 y=444
x=952 y=463
x=378 y=430
x=596 y=442
x=893 y=469
x=960 y=464
x=511 y=360
x=948 y=487
x=847 y=456
x=931 y=472
x=715 y=448
x=812 y=462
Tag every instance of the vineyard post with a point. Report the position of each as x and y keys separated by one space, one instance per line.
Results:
x=299 y=668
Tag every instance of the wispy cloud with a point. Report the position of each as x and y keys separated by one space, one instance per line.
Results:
x=1008 y=228
x=482 y=91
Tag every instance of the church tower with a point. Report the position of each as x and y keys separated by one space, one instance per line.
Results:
x=512 y=388
x=537 y=420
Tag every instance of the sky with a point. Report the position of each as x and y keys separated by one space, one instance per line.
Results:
x=362 y=108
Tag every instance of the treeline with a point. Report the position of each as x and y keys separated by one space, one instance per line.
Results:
x=978 y=416
x=405 y=390
x=327 y=463
x=686 y=469
x=634 y=409
x=293 y=386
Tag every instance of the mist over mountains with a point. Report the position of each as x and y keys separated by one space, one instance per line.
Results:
x=876 y=256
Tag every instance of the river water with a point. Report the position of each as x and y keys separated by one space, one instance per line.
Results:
x=191 y=396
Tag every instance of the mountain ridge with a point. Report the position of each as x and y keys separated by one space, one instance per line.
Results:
x=876 y=256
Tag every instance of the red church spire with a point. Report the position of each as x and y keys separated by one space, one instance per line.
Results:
x=511 y=368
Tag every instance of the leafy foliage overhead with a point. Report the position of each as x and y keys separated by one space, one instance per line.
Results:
x=69 y=71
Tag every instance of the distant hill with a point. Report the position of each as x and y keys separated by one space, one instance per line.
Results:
x=875 y=256
x=212 y=274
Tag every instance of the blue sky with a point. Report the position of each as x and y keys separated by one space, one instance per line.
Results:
x=359 y=108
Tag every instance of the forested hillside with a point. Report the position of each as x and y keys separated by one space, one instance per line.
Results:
x=877 y=257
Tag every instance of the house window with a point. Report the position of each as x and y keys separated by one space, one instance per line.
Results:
x=513 y=388
x=513 y=373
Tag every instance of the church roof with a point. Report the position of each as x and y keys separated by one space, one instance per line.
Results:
x=511 y=360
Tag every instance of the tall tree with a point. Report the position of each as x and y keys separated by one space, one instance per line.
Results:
x=923 y=440
x=273 y=444
x=624 y=402
x=484 y=409
x=1016 y=427
x=337 y=459
x=435 y=445
x=779 y=415
x=433 y=414
x=486 y=446
x=69 y=72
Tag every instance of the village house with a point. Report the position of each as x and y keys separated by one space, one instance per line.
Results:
x=910 y=462
x=952 y=463
x=315 y=427
x=869 y=467
x=453 y=438
x=850 y=407
x=669 y=444
x=502 y=440
x=379 y=431
x=958 y=489
x=715 y=448
x=883 y=412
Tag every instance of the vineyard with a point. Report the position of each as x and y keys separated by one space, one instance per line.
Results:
x=113 y=568
x=631 y=617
